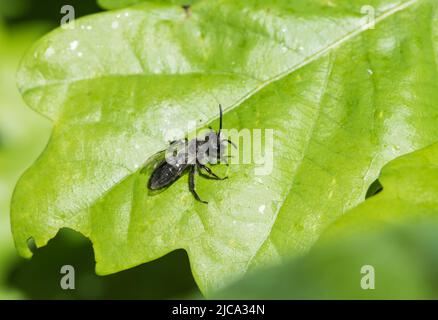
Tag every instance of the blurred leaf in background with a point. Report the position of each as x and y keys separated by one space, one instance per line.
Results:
x=404 y=259
x=395 y=232
x=12 y=9
x=23 y=133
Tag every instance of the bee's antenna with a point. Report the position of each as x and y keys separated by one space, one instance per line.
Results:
x=220 y=120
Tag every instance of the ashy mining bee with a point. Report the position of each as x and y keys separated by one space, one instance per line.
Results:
x=188 y=156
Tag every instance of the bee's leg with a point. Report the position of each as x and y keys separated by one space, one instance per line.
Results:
x=211 y=172
x=230 y=142
x=225 y=159
x=192 y=184
x=222 y=157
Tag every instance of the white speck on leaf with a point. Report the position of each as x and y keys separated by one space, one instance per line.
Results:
x=49 y=52
x=115 y=25
x=74 y=45
x=262 y=209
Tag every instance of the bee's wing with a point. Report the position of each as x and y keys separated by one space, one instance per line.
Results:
x=157 y=162
x=149 y=167
x=153 y=162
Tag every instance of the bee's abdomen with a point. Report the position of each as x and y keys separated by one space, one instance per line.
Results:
x=164 y=175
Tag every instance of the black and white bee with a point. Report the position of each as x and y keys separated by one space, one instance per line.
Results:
x=188 y=156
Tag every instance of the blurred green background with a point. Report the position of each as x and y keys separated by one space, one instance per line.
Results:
x=23 y=135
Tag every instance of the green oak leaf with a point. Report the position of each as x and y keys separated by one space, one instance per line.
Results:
x=342 y=101
x=23 y=134
x=395 y=232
